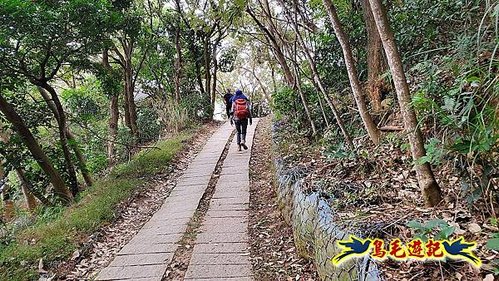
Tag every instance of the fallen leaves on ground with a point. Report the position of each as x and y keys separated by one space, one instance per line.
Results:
x=99 y=249
x=376 y=191
x=273 y=253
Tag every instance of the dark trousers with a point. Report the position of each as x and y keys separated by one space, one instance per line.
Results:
x=241 y=127
x=227 y=110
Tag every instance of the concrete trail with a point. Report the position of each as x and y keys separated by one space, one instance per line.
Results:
x=221 y=249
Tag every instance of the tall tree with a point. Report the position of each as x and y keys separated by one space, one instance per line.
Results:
x=126 y=47
x=429 y=186
x=39 y=38
x=369 y=124
x=111 y=89
x=41 y=158
x=26 y=190
x=277 y=46
x=70 y=140
x=375 y=60
x=317 y=81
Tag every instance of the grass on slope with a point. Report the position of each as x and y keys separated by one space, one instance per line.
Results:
x=57 y=238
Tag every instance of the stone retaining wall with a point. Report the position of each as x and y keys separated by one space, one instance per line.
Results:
x=315 y=231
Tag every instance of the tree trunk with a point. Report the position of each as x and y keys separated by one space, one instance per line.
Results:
x=291 y=80
x=277 y=50
x=375 y=61
x=321 y=105
x=318 y=83
x=126 y=108
x=305 y=106
x=8 y=204
x=178 y=65
x=29 y=188
x=199 y=74
x=129 y=92
x=259 y=81
x=214 y=76
x=26 y=190
x=62 y=125
x=274 y=84
x=429 y=186
x=41 y=158
x=82 y=162
x=114 y=115
x=298 y=87
x=207 y=68
x=113 y=129
x=371 y=128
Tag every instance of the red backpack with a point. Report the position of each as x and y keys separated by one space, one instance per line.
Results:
x=241 y=109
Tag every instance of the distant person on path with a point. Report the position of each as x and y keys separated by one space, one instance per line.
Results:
x=228 y=103
x=241 y=115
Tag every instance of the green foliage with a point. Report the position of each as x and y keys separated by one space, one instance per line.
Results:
x=49 y=33
x=86 y=102
x=57 y=231
x=176 y=117
x=493 y=243
x=283 y=102
x=423 y=230
x=425 y=23
x=197 y=106
x=227 y=60
x=434 y=152
x=336 y=149
x=152 y=161
x=148 y=123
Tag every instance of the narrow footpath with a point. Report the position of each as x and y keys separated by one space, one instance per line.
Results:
x=221 y=248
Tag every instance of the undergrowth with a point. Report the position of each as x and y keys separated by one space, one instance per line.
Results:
x=57 y=233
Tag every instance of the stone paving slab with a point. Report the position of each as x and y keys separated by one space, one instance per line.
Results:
x=180 y=214
x=193 y=181
x=221 y=279
x=222 y=204
x=148 y=254
x=232 y=180
x=225 y=228
x=218 y=270
x=231 y=200
x=228 y=192
x=159 y=227
x=156 y=238
x=132 y=272
x=201 y=259
x=221 y=251
x=221 y=248
x=186 y=192
x=238 y=207
x=143 y=259
x=147 y=248
x=225 y=221
x=232 y=184
x=222 y=237
x=227 y=214
x=169 y=221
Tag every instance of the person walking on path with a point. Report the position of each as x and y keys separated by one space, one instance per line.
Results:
x=228 y=103
x=241 y=115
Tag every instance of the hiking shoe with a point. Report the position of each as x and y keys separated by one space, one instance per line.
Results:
x=244 y=146
x=239 y=147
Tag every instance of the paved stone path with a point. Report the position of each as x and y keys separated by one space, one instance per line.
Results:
x=221 y=250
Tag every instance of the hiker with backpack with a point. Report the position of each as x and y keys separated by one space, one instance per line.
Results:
x=241 y=116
